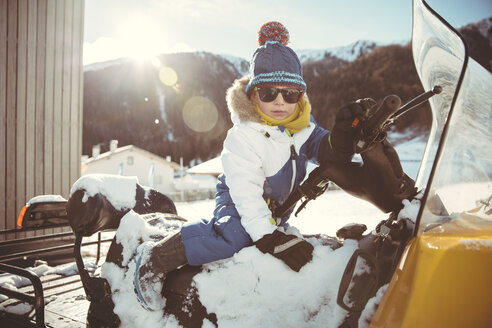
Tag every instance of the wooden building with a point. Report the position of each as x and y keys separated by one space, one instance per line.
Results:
x=41 y=82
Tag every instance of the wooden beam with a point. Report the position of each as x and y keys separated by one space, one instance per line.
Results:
x=20 y=121
x=49 y=91
x=57 y=99
x=39 y=187
x=66 y=95
x=3 y=109
x=10 y=176
x=75 y=106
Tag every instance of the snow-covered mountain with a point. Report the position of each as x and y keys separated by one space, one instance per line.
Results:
x=349 y=52
x=102 y=65
x=241 y=64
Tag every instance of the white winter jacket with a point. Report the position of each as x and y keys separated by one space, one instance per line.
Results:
x=263 y=164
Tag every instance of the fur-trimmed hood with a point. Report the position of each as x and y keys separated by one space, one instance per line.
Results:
x=239 y=104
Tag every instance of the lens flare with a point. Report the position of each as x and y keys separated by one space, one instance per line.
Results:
x=200 y=114
x=168 y=76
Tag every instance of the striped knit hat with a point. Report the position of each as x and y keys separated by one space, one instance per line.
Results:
x=274 y=63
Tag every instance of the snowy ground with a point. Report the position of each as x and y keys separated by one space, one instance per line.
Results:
x=253 y=289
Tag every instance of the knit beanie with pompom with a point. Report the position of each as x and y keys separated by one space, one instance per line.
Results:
x=274 y=63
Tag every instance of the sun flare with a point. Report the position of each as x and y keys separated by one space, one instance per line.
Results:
x=139 y=37
x=142 y=39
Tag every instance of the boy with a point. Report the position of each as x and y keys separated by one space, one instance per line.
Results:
x=264 y=158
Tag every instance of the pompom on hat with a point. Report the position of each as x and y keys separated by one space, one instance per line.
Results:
x=274 y=63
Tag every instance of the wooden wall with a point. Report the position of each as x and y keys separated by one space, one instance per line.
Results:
x=40 y=101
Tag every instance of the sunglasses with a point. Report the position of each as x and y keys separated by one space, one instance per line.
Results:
x=269 y=94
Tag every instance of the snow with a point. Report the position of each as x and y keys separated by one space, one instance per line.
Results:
x=475 y=244
x=186 y=183
x=371 y=307
x=410 y=209
x=463 y=195
x=241 y=64
x=40 y=269
x=119 y=190
x=106 y=64
x=45 y=198
x=213 y=166
x=134 y=229
x=14 y=281
x=20 y=309
x=349 y=52
x=333 y=210
x=246 y=290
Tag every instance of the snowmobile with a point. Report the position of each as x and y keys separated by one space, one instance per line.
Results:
x=434 y=268
x=40 y=211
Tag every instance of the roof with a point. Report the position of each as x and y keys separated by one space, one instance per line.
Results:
x=213 y=166
x=131 y=148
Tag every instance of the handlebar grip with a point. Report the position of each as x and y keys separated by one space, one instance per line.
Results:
x=389 y=106
x=374 y=124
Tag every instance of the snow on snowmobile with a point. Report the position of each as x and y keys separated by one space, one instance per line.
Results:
x=432 y=267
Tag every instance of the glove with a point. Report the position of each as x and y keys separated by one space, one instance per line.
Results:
x=387 y=182
x=293 y=251
x=342 y=137
x=352 y=231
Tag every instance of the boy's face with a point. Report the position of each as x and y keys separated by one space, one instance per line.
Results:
x=278 y=109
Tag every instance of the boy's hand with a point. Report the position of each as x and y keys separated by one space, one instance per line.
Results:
x=293 y=251
x=347 y=125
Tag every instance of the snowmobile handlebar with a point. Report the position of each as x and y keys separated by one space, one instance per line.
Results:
x=415 y=102
x=387 y=113
x=374 y=125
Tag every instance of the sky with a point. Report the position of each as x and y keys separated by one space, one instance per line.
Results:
x=141 y=29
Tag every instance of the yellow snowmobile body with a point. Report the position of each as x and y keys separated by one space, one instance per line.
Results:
x=444 y=276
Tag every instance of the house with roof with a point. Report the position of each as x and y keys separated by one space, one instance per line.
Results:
x=150 y=169
x=211 y=167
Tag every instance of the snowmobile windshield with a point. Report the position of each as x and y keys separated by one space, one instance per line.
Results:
x=456 y=170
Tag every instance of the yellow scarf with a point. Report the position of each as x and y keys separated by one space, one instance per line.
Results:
x=295 y=122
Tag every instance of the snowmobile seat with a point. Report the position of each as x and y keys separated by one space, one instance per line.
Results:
x=96 y=213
